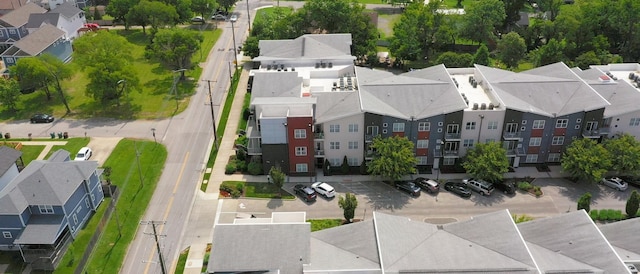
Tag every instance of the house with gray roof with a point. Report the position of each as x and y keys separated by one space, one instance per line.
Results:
x=65 y=16
x=45 y=206
x=10 y=5
x=619 y=234
x=13 y=24
x=47 y=39
x=10 y=165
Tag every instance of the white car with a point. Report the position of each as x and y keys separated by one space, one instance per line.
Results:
x=233 y=18
x=615 y=183
x=84 y=154
x=324 y=189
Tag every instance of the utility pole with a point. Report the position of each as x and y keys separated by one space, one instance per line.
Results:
x=248 y=16
x=213 y=116
x=155 y=236
x=235 y=48
x=135 y=145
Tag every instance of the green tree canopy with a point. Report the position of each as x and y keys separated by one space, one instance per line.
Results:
x=153 y=13
x=118 y=9
x=511 y=49
x=277 y=176
x=482 y=56
x=625 y=154
x=455 y=60
x=633 y=203
x=487 y=161
x=58 y=72
x=204 y=8
x=226 y=4
x=512 y=10
x=182 y=7
x=32 y=74
x=586 y=160
x=175 y=47
x=393 y=159
x=584 y=202
x=348 y=203
x=9 y=93
x=481 y=19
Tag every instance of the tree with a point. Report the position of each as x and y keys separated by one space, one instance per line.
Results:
x=153 y=13
x=203 y=7
x=175 y=47
x=481 y=19
x=550 y=53
x=625 y=154
x=586 y=160
x=363 y=168
x=393 y=157
x=584 y=202
x=348 y=203
x=455 y=60
x=32 y=74
x=58 y=71
x=226 y=4
x=633 y=203
x=9 y=93
x=277 y=176
x=511 y=49
x=551 y=6
x=512 y=10
x=587 y=59
x=345 y=165
x=182 y=7
x=118 y=9
x=482 y=56
x=487 y=161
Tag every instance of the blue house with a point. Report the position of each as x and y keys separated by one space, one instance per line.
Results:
x=47 y=39
x=13 y=24
x=45 y=206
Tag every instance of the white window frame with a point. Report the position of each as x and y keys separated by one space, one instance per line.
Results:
x=300 y=133
x=424 y=126
x=562 y=123
x=422 y=143
x=467 y=142
x=538 y=124
x=334 y=128
x=302 y=167
x=398 y=127
x=353 y=127
x=553 y=157
x=634 y=122
x=353 y=161
x=46 y=209
x=422 y=160
x=535 y=141
x=335 y=162
x=492 y=125
x=301 y=151
x=334 y=145
x=7 y=234
x=532 y=158
x=448 y=161
x=75 y=219
x=353 y=144
x=557 y=140
x=470 y=126
x=86 y=202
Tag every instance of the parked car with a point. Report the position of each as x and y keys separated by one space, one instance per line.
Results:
x=41 y=118
x=233 y=18
x=457 y=188
x=218 y=17
x=197 y=19
x=615 y=183
x=428 y=185
x=305 y=192
x=83 y=154
x=324 y=189
x=480 y=186
x=408 y=187
x=506 y=187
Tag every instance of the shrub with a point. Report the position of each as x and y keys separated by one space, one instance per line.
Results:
x=584 y=202
x=241 y=154
x=230 y=168
x=537 y=191
x=345 y=165
x=594 y=215
x=254 y=168
x=235 y=190
x=524 y=186
x=246 y=112
x=241 y=165
x=363 y=168
x=633 y=204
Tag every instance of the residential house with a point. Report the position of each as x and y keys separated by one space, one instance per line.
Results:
x=46 y=39
x=13 y=24
x=45 y=206
x=619 y=234
x=10 y=5
x=53 y=4
x=10 y=164
x=65 y=16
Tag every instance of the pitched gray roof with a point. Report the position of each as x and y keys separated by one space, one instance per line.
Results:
x=619 y=235
x=419 y=94
x=623 y=97
x=552 y=90
x=41 y=229
x=575 y=240
x=260 y=247
x=309 y=46
x=67 y=10
x=36 y=42
x=8 y=158
x=336 y=105
x=38 y=19
x=19 y=17
x=59 y=155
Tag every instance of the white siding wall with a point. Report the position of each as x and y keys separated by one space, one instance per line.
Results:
x=273 y=130
x=71 y=25
x=622 y=125
x=8 y=176
x=344 y=137
x=495 y=116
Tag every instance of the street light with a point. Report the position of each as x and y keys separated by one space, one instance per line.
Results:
x=124 y=84
x=153 y=132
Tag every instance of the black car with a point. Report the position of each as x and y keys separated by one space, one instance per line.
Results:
x=631 y=180
x=506 y=187
x=408 y=187
x=459 y=189
x=41 y=118
x=305 y=192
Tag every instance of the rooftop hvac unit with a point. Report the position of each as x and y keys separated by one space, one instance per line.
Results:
x=631 y=75
x=475 y=106
x=317 y=65
x=483 y=106
x=330 y=65
x=470 y=79
x=474 y=84
x=491 y=106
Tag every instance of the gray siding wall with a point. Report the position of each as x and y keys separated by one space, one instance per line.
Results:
x=76 y=205
x=96 y=190
x=10 y=221
x=272 y=154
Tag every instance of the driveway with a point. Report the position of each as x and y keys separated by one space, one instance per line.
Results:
x=102 y=148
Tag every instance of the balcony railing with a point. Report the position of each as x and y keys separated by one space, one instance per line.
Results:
x=450 y=153
x=452 y=136
x=369 y=138
x=254 y=147
x=516 y=152
x=369 y=154
x=319 y=153
x=591 y=133
x=508 y=135
x=318 y=135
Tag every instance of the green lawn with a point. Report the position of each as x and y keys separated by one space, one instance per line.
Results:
x=182 y=260
x=72 y=146
x=265 y=190
x=321 y=224
x=242 y=124
x=30 y=153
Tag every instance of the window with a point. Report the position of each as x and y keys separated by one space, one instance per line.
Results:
x=301 y=151
x=535 y=141
x=353 y=127
x=424 y=126
x=384 y=131
x=634 y=122
x=422 y=160
x=470 y=126
x=353 y=144
x=334 y=145
x=562 y=123
x=301 y=168
x=45 y=209
x=372 y=130
x=492 y=125
x=440 y=124
x=7 y=234
x=557 y=140
x=398 y=127
x=334 y=128
x=335 y=162
x=75 y=219
x=353 y=161
x=467 y=143
x=490 y=140
x=440 y=130
x=422 y=144
x=86 y=202
x=449 y=161
x=532 y=158
x=300 y=133
x=12 y=31
x=578 y=121
x=554 y=157
x=538 y=124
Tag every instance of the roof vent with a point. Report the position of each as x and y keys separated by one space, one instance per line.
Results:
x=483 y=106
x=440 y=227
x=475 y=106
x=330 y=65
x=491 y=106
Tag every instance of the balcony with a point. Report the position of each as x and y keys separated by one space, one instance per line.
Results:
x=369 y=138
x=516 y=152
x=450 y=153
x=592 y=133
x=254 y=146
x=319 y=153
x=369 y=154
x=509 y=135
x=318 y=135
x=452 y=136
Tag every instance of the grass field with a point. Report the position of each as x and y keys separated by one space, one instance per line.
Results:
x=72 y=146
x=321 y=224
x=264 y=190
x=30 y=153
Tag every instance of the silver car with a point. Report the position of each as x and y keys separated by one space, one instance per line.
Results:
x=615 y=183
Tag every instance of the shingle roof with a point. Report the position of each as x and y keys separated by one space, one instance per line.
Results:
x=575 y=240
x=8 y=158
x=36 y=42
x=419 y=94
x=309 y=46
x=19 y=17
x=41 y=229
x=623 y=97
x=67 y=10
x=12 y=4
x=619 y=235
x=552 y=90
x=38 y=19
x=336 y=105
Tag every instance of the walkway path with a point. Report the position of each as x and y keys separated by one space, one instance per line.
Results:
x=47 y=146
